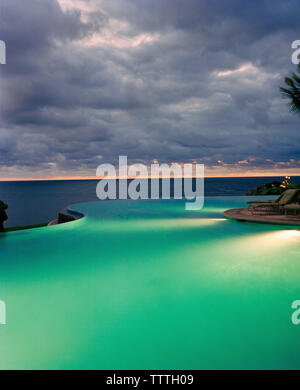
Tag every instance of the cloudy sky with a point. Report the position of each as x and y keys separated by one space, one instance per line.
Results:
x=167 y=80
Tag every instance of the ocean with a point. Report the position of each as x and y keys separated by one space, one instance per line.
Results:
x=32 y=202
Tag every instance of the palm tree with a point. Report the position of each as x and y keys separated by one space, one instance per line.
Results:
x=293 y=90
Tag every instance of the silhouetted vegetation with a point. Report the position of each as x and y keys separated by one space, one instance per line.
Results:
x=3 y=215
x=292 y=91
x=273 y=188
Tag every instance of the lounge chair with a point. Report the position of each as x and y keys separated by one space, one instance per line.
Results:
x=294 y=207
x=255 y=202
x=277 y=206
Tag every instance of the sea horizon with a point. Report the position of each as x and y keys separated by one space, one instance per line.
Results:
x=39 y=201
x=132 y=177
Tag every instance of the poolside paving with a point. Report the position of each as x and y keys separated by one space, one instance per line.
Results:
x=245 y=215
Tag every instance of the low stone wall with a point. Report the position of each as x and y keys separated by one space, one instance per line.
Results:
x=64 y=217
x=68 y=216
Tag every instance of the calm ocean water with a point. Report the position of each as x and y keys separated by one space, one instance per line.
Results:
x=33 y=202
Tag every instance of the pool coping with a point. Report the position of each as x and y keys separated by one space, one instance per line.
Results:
x=244 y=215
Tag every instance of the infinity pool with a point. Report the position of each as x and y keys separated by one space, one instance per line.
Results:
x=148 y=285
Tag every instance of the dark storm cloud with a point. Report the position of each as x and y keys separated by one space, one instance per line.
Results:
x=151 y=79
x=256 y=17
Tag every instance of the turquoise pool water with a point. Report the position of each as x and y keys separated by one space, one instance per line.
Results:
x=148 y=285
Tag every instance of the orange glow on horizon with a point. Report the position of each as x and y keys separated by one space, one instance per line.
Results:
x=257 y=174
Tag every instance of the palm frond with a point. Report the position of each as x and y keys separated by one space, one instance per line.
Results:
x=292 y=92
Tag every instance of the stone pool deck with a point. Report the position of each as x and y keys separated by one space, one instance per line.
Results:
x=244 y=215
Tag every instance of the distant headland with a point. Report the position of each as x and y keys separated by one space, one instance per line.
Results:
x=274 y=187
